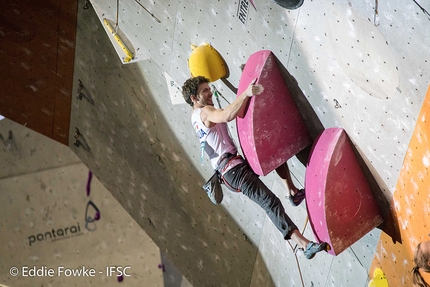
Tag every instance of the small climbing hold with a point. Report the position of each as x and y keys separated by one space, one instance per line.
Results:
x=379 y=279
x=90 y=176
x=97 y=216
x=120 y=278
x=161 y=266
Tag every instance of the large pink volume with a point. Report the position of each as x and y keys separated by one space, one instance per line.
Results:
x=272 y=130
x=341 y=207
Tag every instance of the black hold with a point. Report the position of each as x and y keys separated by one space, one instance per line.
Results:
x=86 y=5
x=80 y=140
x=289 y=4
x=82 y=95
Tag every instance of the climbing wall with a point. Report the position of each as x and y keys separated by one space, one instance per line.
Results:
x=411 y=206
x=344 y=70
x=37 y=41
x=132 y=147
x=352 y=67
x=345 y=65
x=58 y=220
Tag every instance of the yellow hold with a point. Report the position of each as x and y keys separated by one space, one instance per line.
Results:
x=129 y=55
x=206 y=61
x=379 y=279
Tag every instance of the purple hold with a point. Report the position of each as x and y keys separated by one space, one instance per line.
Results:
x=90 y=176
x=120 y=278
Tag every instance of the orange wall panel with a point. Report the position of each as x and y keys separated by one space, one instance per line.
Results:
x=411 y=202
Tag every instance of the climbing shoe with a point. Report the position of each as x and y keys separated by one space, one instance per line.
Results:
x=313 y=248
x=296 y=199
x=213 y=189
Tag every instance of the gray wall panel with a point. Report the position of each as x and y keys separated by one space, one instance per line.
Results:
x=364 y=78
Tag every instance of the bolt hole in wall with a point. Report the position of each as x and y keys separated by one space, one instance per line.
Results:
x=361 y=60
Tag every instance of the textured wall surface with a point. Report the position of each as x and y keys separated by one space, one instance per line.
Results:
x=43 y=210
x=128 y=143
x=411 y=204
x=354 y=71
x=37 y=48
x=356 y=75
x=346 y=67
x=362 y=77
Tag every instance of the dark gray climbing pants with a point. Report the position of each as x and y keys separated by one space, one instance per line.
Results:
x=242 y=178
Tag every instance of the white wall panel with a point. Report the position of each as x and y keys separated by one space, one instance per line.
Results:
x=369 y=80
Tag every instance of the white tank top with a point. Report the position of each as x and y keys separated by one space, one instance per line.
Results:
x=215 y=141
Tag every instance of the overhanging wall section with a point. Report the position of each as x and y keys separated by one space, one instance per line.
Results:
x=37 y=44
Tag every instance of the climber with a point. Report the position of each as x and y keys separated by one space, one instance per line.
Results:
x=210 y=126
